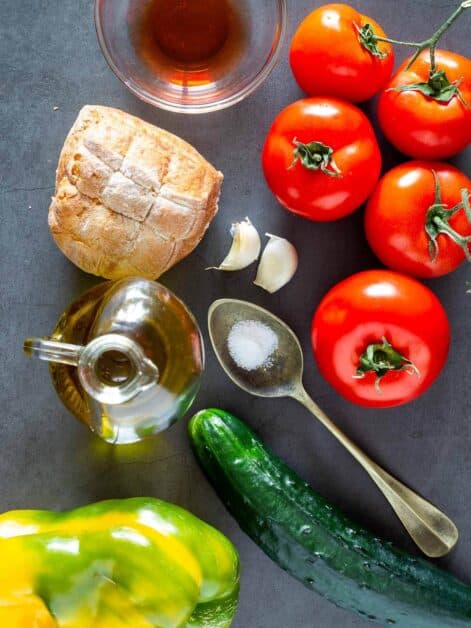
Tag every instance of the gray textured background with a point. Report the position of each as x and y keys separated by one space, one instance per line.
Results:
x=49 y=57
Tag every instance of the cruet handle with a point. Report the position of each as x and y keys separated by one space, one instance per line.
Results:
x=53 y=351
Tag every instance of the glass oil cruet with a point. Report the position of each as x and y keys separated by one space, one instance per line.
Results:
x=126 y=358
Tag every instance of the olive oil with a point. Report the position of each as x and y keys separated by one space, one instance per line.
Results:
x=125 y=358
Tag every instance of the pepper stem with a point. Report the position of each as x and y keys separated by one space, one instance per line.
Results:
x=382 y=358
x=437 y=221
x=315 y=156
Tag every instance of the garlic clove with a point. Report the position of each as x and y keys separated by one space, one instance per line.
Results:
x=245 y=249
x=278 y=264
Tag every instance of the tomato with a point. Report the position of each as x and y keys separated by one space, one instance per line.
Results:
x=321 y=158
x=380 y=338
x=328 y=58
x=412 y=226
x=419 y=125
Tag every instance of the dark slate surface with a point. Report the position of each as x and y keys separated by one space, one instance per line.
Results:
x=49 y=57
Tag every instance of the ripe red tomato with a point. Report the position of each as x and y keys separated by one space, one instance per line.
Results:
x=421 y=125
x=328 y=57
x=321 y=158
x=411 y=227
x=380 y=338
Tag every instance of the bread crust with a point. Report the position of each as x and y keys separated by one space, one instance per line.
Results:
x=131 y=199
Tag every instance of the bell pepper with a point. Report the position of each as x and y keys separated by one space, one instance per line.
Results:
x=140 y=563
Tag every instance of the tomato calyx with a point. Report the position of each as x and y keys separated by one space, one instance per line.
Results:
x=315 y=156
x=437 y=87
x=368 y=39
x=438 y=217
x=382 y=358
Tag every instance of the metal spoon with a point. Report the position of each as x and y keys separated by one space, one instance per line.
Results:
x=433 y=532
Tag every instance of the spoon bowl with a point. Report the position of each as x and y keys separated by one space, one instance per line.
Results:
x=281 y=377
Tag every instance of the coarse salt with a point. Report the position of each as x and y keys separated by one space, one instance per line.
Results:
x=251 y=344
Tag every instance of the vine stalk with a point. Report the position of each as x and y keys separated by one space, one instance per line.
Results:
x=431 y=42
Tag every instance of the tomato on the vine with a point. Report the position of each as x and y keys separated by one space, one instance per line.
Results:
x=426 y=113
x=334 y=53
x=321 y=158
x=380 y=338
x=418 y=220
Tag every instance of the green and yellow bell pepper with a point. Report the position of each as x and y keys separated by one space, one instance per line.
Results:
x=140 y=563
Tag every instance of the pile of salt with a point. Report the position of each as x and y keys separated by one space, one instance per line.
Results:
x=251 y=344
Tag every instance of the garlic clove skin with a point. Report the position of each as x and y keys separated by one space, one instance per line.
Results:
x=245 y=248
x=278 y=264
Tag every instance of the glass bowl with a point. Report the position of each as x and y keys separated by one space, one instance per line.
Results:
x=248 y=56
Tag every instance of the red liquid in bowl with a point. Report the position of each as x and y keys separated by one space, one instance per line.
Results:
x=189 y=42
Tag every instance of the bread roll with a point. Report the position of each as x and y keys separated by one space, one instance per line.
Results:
x=131 y=199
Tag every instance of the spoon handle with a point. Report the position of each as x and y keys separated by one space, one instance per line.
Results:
x=432 y=531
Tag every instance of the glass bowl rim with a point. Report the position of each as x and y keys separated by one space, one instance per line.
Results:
x=228 y=101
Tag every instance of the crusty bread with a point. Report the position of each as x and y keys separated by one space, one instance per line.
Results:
x=131 y=199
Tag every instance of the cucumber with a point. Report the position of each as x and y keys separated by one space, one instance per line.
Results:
x=314 y=541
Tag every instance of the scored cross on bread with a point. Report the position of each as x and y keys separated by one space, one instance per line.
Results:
x=131 y=199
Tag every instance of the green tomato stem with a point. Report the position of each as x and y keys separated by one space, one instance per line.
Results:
x=382 y=358
x=388 y=40
x=437 y=221
x=461 y=241
x=431 y=42
x=465 y=202
x=437 y=87
x=315 y=156
x=369 y=41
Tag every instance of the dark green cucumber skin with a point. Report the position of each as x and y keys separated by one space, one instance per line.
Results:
x=314 y=541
